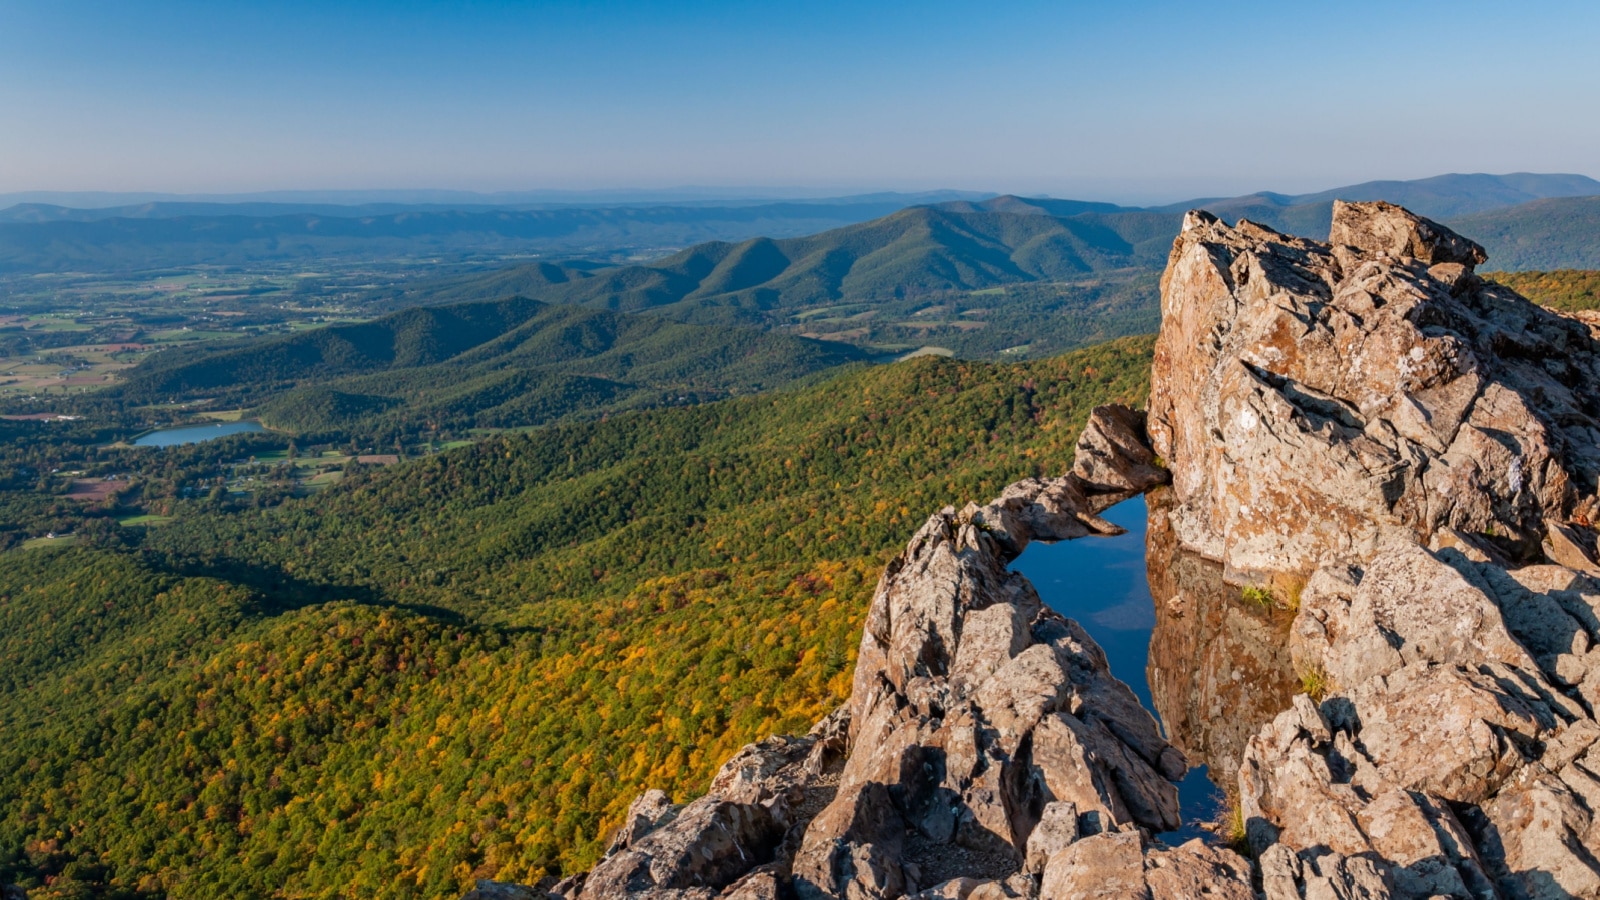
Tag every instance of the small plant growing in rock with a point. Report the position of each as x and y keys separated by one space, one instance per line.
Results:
x=1258 y=595
x=1230 y=827
x=1314 y=683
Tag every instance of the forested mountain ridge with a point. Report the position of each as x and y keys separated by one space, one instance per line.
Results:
x=465 y=666
x=967 y=278
x=1559 y=233
x=1007 y=273
x=921 y=250
x=505 y=363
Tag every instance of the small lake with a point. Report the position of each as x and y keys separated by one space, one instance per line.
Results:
x=1101 y=582
x=194 y=434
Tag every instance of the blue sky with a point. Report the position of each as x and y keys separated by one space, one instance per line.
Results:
x=1134 y=101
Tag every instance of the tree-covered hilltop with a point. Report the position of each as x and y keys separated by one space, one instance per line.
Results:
x=466 y=666
x=510 y=362
x=976 y=278
x=1569 y=290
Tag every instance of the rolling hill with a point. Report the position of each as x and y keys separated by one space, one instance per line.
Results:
x=39 y=237
x=978 y=279
x=1442 y=198
x=496 y=364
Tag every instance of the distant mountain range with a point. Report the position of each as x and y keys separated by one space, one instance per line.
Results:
x=515 y=362
x=451 y=199
x=1558 y=233
x=37 y=238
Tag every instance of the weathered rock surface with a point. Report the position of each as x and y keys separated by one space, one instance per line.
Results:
x=498 y=890
x=1123 y=866
x=1312 y=398
x=1415 y=450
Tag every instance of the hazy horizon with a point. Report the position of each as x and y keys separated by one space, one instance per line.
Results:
x=693 y=194
x=1154 y=103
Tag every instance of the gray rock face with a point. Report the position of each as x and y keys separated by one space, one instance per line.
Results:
x=491 y=890
x=1417 y=450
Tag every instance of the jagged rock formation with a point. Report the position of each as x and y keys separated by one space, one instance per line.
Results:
x=986 y=748
x=1414 y=452
x=1404 y=456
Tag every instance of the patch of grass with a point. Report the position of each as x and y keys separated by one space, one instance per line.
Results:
x=1230 y=827
x=1288 y=590
x=1314 y=683
x=1259 y=596
x=40 y=543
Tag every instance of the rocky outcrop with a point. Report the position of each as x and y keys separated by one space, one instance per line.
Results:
x=1378 y=622
x=985 y=739
x=1416 y=452
x=987 y=733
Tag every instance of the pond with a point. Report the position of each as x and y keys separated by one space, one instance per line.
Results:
x=1102 y=583
x=194 y=434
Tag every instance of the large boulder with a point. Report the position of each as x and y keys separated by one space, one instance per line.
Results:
x=1123 y=866
x=1312 y=398
x=707 y=846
